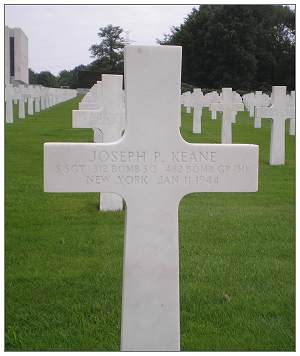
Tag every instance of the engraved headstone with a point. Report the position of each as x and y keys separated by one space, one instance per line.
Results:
x=152 y=167
x=279 y=111
x=228 y=107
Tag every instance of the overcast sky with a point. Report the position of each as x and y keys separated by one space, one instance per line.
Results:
x=59 y=36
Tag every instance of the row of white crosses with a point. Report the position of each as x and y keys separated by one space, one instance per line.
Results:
x=228 y=102
x=152 y=168
x=279 y=107
x=37 y=97
x=102 y=109
x=197 y=101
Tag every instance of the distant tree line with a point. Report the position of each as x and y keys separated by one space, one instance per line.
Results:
x=240 y=46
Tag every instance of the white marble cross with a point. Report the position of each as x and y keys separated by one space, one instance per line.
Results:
x=228 y=107
x=279 y=111
x=197 y=104
x=249 y=102
x=259 y=100
x=108 y=124
x=212 y=97
x=152 y=167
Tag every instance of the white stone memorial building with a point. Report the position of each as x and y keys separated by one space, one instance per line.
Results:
x=16 y=56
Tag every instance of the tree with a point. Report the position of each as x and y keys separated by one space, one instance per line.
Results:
x=241 y=46
x=46 y=79
x=65 y=78
x=109 y=52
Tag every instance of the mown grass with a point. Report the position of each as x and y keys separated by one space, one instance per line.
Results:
x=63 y=259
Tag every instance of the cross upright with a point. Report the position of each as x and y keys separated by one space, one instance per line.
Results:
x=279 y=111
x=228 y=107
x=197 y=103
x=152 y=167
x=108 y=124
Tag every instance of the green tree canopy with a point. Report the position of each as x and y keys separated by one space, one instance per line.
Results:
x=109 y=52
x=44 y=78
x=241 y=46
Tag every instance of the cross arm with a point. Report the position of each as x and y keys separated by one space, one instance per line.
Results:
x=216 y=107
x=238 y=107
x=89 y=105
x=87 y=118
x=263 y=112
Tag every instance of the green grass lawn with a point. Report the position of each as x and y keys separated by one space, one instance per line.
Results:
x=63 y=258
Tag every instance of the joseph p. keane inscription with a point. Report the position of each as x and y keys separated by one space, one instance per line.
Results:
x=122 y=167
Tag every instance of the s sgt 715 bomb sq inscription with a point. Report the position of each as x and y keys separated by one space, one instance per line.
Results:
x=152 y=167
x=204 y=169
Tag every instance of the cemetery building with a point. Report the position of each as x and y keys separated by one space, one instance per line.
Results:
x=16 y=56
